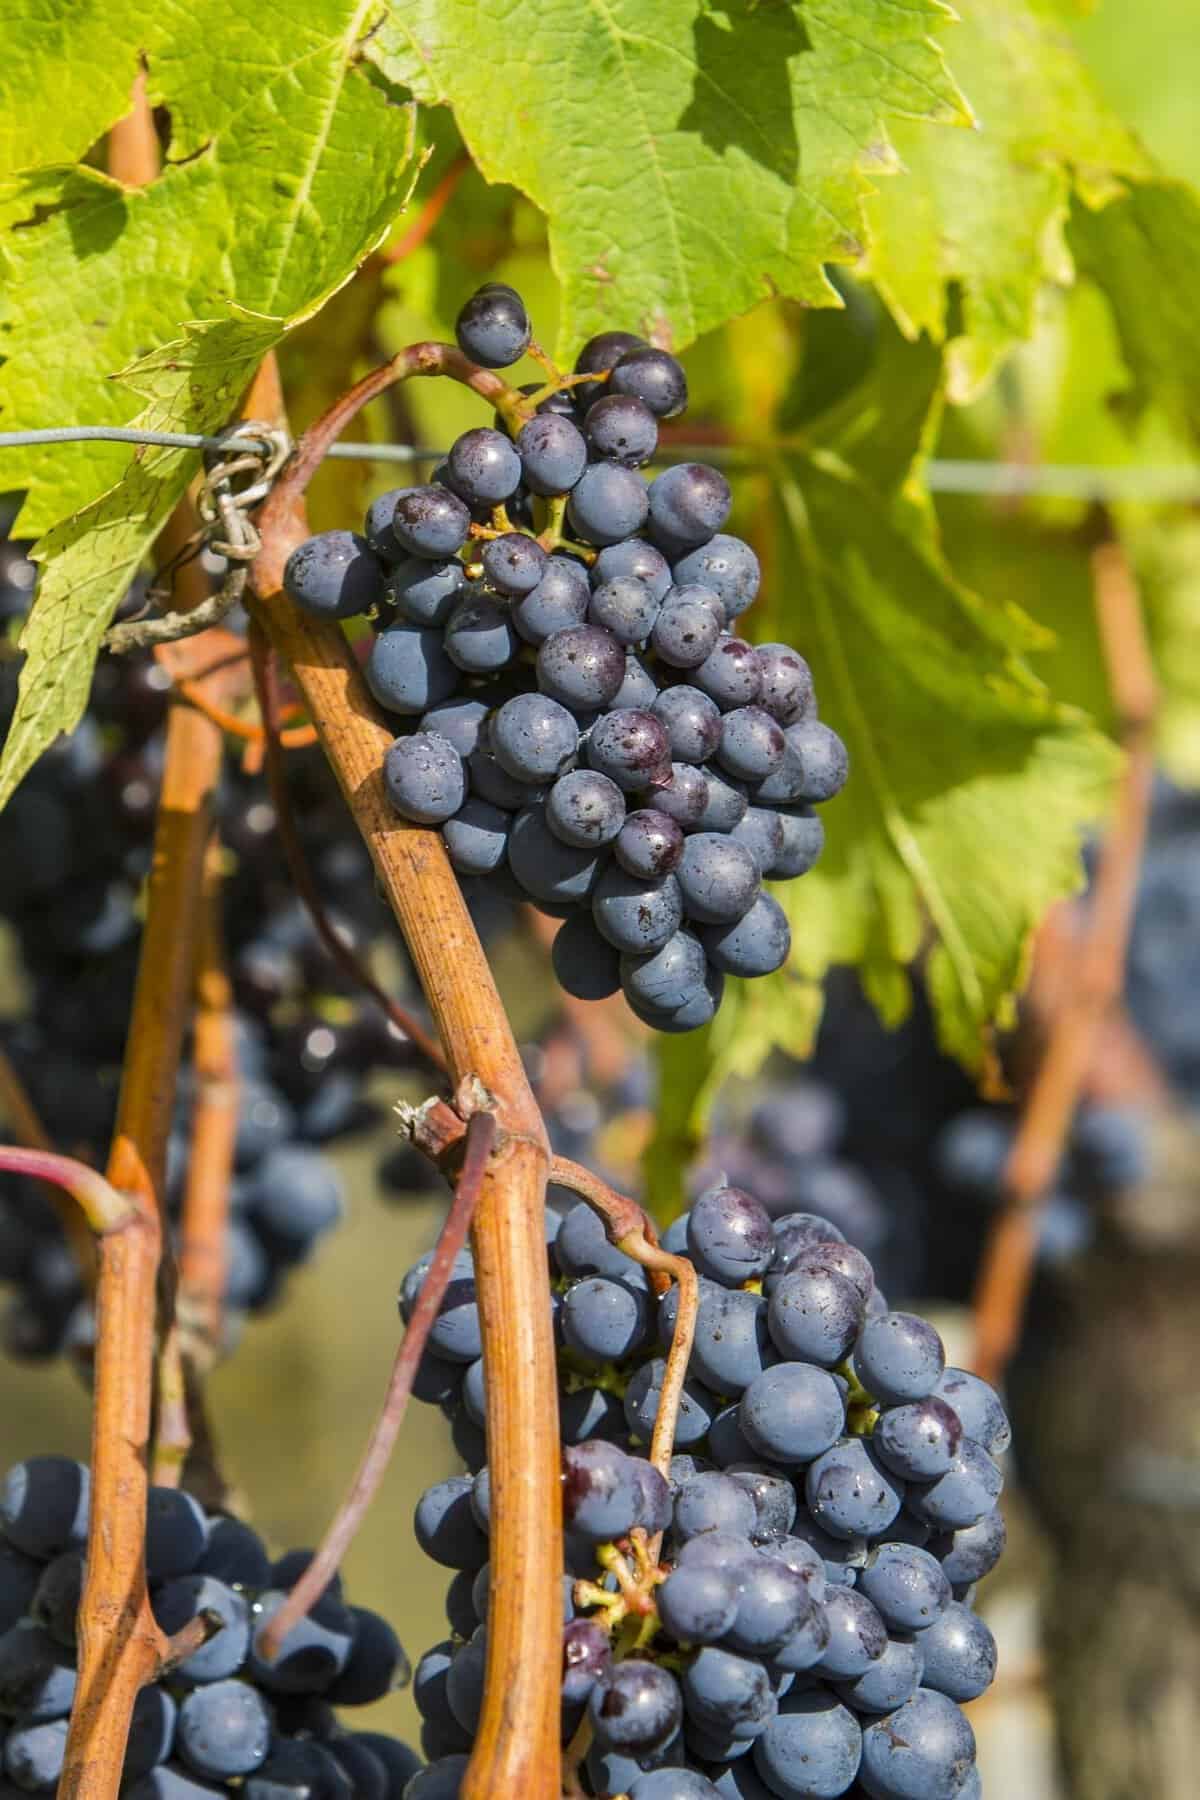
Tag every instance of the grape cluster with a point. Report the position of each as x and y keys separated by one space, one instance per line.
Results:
x=75 y=846
x=589 y=730
x=832 y=1503
x=226 y=1719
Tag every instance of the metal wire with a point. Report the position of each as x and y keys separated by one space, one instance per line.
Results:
x=1096 y=482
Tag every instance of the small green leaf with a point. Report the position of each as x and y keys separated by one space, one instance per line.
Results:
x=690 y=157
x=987 y=209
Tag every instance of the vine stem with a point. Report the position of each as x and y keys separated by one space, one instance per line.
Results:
x=100 y=1203
x=120 y=1646
x=630 y=1230
x=26 y=1124
x=479 y=1142
x=1094 y=976
x=517 y=1745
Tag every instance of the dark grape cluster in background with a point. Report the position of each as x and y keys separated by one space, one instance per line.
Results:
x=832 y=1503
x=226 y=1719
x=590 y=731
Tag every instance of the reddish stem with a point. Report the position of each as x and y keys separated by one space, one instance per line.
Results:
x=435 y=205
x=480 y=1139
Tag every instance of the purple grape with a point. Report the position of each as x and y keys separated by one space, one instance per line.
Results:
x=424 y=777
x=514 y=563
x=334 y=575
x=607 y=503
x=718 y=879
x=633 y=556
x=731 y=674
x=654 y=377
x=688 y=503
x=649 y=844
x=430 y=521
x=585 y=808
x=582 y=667
x=756 y=944
x=631 y=748
x=553 y=454
x=621 y=428
x=626 y=607
x=493 y=327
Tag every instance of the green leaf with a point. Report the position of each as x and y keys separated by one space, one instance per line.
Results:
x=287 y=164
x=92 y=557
x=969 y=784
x=691 y=157
x=1143 y=251
x=84 y=53
x=986 y=210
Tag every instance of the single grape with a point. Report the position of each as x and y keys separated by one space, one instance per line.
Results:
x=978 y=1408
x=718 y=879
x=44 y=1505
x=811 y=1748
x=971 y=1552
x=176 y=1533
x=441 y=1779
x=587 y=1659
x=654 y=377
x=692 y=721
x=688 y=504
x=483 y=468
x=729 y=1236
x=533 y=738
x=604 y=1320
x=514 y=563
x=925 y=1750
x=479 y=635
x=636 y=916
x=235 y=1554
x=600 y=1491
x=803 y=841
x=726 y=565
x=728 y=1693
x=698 y=1008
x=582 y=667
x=34 y=1755
x=424 y=777
x=582 y=1248
x=683 y=797
x=639 y=1708
x=476 y=838
x=630 y=748
x=665 y=979
x=857 y=1637
x=756 y=944
x=585 y=964
x=792 y=1413
x=920 y=1440
x=37 y=1676
x=760 y=829
x=224 y=1730
x=815 y=1316
x=430 y=521
x=673 y=1784
x=899 y=1357
x=731 y=674
x=445 y=1525
x=892 y=1680
x=464 y=1680
x=585 y=808
x=964 y=1494
x=553 y=453
x=547 y=868
x=710 y=1501
x=824 y=761
x=607 y=503
x=424 y=592
x=621 y=428
x=559 y=600
x=849 y=1492
x=787 y=684
x=334 y=575
x=649 y=844
x=408 y=670
x=725 y=802
x=493 y=327
x=685 y=632
x=491 y=781
x=752 y=744
x=633 y=556
x=959 y=1654
x=773 y=1494
x=461 y=720
x=626 y=607
x=906 y=1584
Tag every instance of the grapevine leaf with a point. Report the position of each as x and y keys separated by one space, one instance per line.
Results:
x=1144 y=252
x=986 y=210
x=84 y=53
x=969 y=785
x=92 y=556
x=245 y=233
x=691 y=157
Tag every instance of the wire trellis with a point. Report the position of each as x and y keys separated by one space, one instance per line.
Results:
x=1093 y=482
